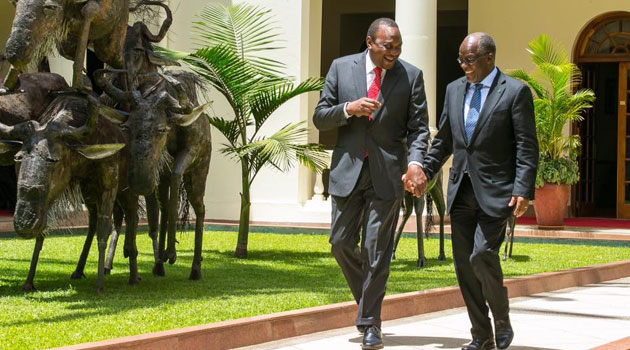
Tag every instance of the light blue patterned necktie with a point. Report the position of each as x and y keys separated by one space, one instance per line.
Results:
x=473 y=112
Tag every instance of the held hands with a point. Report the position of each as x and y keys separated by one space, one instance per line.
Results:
x=415 y=181
x=520 y=205
x=362 y=107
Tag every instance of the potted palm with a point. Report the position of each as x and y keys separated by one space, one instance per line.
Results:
x=557 y=101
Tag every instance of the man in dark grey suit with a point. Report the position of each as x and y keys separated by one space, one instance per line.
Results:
x=369 y=160
x=488 y=125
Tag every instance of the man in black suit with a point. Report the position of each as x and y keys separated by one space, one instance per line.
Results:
x=488 y=125
x=369 y=160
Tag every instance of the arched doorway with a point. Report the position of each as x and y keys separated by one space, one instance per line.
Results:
x=602 y=51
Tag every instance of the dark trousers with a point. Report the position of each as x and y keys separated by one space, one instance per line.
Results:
x=476 y=239
x=365 y=218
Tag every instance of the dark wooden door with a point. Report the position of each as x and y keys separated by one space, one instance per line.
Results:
x=583 y=193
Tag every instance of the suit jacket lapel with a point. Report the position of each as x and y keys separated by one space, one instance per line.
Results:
x=389 y=82
x=358 y=75
x=460 y=93
x=494 y=95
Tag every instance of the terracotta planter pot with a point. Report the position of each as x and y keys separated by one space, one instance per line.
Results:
x=550 y=205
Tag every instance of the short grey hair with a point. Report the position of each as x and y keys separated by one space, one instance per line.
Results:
x=486 y=44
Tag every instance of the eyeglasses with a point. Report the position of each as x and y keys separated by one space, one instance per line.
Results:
x=470 y=60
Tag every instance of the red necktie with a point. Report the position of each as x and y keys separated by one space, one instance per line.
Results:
x=375 y=87
x=373 y=91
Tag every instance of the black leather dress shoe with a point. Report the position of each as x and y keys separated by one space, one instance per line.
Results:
x=503 y=334
x=361 y=329
x=478 y=344
x=372 y=339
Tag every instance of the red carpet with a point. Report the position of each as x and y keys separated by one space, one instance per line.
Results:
x=5 y=213
x=584 y=222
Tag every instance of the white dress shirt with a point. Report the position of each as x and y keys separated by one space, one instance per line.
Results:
x=369 y=78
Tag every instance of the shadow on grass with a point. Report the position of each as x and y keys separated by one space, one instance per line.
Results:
x=274 y=255
x=520 y=258
x=227 y=279
x=266 y=272
x=411 y=264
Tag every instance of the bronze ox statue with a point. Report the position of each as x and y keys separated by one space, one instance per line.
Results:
x=139 y=57
x=71 y=25
x=70 y=146
x=169 y=144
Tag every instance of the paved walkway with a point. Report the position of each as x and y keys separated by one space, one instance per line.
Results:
x=571 y=319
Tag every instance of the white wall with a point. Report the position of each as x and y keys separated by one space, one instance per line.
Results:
x=513 y=24
x=276 y=196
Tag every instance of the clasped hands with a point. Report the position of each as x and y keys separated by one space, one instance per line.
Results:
x=414 y=180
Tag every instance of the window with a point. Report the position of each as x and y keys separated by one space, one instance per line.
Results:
x=606 y=38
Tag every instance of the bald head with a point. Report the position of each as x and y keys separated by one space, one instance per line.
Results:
x=483 y=41
x=476 y=56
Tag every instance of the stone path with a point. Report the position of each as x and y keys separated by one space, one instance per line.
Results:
x=571 y=319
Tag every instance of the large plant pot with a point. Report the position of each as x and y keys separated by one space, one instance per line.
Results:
x=550 y=205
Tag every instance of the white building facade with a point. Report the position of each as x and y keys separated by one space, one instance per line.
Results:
x=316 y=31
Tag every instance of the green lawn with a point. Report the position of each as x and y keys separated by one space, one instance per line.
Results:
x=284 y=272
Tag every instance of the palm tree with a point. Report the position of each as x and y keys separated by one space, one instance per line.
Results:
x=555 y=105
x=232 y=40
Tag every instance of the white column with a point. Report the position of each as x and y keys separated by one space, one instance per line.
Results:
x=310 y=53
x=417 y=20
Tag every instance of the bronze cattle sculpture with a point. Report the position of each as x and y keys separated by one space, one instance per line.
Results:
x=69 y=147
x=169 y=145
x=140 y=59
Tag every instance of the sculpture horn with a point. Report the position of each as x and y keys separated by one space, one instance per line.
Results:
x=65 y=131
x=19 y=131
x=165 y=25
x=189 y=118
x=5 y=130
x=117 y=94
